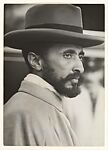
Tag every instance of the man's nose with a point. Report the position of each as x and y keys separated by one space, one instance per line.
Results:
x=78 y=66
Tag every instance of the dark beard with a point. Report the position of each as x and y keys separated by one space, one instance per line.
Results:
x=59 y=85
x=68 y=92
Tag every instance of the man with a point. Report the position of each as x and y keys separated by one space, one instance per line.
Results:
x=51 y=44
x=93 y=81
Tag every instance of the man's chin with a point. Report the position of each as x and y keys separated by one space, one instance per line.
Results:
x=72 y=94
x=69 y=92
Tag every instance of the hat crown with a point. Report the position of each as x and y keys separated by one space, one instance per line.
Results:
x=59 y=16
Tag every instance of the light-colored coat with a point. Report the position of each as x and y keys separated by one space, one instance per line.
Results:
x=34 y=117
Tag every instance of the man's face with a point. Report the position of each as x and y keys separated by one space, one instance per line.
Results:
x=63 y=67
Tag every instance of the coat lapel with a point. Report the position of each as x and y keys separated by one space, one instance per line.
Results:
x=41 y=93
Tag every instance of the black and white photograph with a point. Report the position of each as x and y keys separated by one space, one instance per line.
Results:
x=54 y=75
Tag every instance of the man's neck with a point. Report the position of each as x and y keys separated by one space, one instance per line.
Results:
x=37 y=78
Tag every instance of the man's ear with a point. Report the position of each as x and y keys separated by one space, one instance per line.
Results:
x=35 y=61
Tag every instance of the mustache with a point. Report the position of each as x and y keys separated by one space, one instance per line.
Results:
x=75 y=75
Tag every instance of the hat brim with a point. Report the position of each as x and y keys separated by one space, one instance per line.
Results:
x=21 y=39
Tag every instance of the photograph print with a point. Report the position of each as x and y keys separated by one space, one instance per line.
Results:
x=54 y=92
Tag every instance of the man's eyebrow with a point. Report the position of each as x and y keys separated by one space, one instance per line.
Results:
x=70 y=51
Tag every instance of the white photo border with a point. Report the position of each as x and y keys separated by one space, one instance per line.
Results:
x=2 y=147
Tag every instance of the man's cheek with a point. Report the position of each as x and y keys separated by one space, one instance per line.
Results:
x=58 y=70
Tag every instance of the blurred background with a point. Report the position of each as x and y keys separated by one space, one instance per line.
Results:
x=92 y=106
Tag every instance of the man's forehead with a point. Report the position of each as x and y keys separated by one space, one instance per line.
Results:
x=63 y=47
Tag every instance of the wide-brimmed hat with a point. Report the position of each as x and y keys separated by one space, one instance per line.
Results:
x=59 y=23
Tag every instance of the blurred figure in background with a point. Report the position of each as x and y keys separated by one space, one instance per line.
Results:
x=93 y=79
x=78 y=111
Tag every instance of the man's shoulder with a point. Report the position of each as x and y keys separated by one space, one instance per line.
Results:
x=23 y=104
x=24 y=112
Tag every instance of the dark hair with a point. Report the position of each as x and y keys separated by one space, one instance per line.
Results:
x=40 y=49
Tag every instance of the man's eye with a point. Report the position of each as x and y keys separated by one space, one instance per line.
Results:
x=81 y=57
x=67 y=55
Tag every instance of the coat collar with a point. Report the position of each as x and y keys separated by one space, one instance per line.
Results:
x=33 y=78
x=42 y=93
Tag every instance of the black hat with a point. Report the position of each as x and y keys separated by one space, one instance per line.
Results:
x=59 y=23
